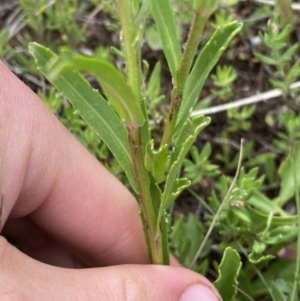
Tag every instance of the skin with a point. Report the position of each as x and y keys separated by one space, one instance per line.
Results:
x=66 y=210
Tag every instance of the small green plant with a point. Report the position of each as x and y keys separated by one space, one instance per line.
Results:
x=290 y=134
x=58 y=15
x=199 y=166
x=281 y=54
x=222 y=18
x=223 y=80
x=4 y=48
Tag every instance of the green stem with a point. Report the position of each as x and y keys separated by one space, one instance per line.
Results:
x=297 y=268
x=190 y=50
x=129 y=36
x=187 y=60
x=284 y=9
x=145 y=198
x=132 y=45
x=172 y=118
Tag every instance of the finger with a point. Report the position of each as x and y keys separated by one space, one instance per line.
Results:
x=36 y=243
x=47 y=174
x=126 y=282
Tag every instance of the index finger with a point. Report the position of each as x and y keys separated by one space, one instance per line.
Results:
x=48 y=175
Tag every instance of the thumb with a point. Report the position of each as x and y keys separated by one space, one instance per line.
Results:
x=23 y=278
x=152 y=283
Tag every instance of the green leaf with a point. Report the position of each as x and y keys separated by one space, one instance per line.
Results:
x=205 y=62
x=280 y=234
x=156 y=161
x=152 y=38
x=186 y=132
x=153 y=88
x=165 y=238
x=282 y=36
x=185 y=139
x=178 y=186
x=264 y=204
x=278 y=84
x=4 y=36
x=92 y=107
x=276 y=220
x=266 y=59
x=282 y=268
x=156 y=194
x=258 y=247
x=280 y=289
x=287 y=56
x=287 y=172
x=112 y=82
x=293 y=74
x=259 y=258
x=242 y=214
x=229 y=269
x=187 y=235
x=164 y=20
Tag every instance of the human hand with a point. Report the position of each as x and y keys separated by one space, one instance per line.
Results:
x=65 y=210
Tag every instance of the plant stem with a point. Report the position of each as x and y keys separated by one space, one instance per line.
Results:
x=284 y=9
x=188 y=56
x=297 y=197
x=172 y=118
x=129 y=36
x=132 y=45
x=145 y=198
x=192 y=43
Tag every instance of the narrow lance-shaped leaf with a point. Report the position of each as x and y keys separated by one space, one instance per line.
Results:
x=276 y=220
x=260 y=201
x=164 y=21
x=280 y=234
x=205 y=62
x=112 y=82
x=154 y=82
x=289 y=183
x=91 y=106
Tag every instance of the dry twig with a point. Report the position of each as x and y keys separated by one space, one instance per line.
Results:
x=244 y=102
x=223 y=203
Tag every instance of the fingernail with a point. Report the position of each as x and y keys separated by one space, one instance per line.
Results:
x=199 y=292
